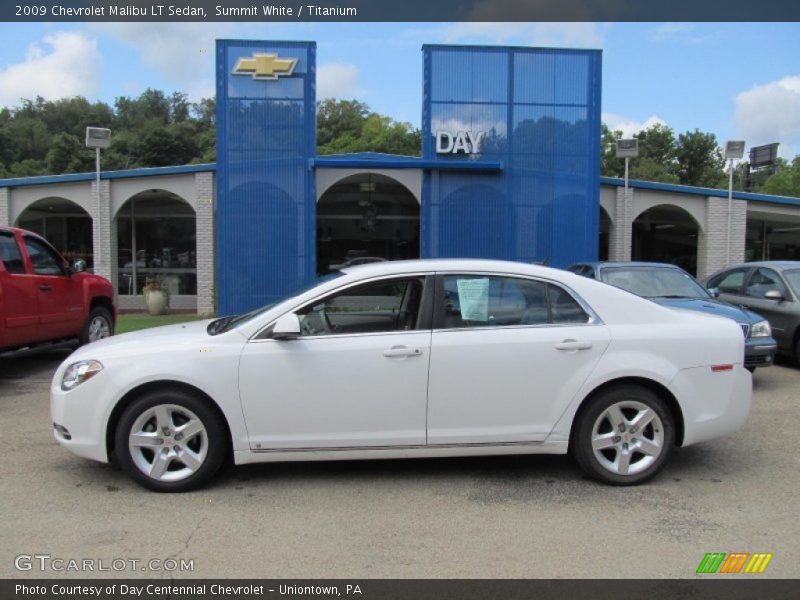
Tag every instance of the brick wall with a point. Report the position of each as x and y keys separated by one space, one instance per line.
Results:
x=204 y=186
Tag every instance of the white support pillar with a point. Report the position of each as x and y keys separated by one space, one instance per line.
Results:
x=5 y=194
x=619 y=239
x=713 y=243
x=205 y=194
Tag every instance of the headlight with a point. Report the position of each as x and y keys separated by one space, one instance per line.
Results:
x=761 y=329
x=79 y=372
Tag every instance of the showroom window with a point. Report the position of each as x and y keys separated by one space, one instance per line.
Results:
x=481 y=301
x=159 y=229
x=383 y=306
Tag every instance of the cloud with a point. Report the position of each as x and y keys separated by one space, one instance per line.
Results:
x=337 y=80
x=181 y=53
x=62 y=64
x=582 y=35
x=770 y=113
x=670 y=31
x=629 y=127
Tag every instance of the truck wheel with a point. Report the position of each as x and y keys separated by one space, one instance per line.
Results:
x=98 y=325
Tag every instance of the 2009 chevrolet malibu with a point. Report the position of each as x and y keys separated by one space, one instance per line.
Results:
x=410 y=359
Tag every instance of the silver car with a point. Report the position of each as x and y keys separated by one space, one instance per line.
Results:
x=770 y=288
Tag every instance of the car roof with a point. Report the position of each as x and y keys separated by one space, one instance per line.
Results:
x=626 y=263
x=774 y=264
x=451 y=264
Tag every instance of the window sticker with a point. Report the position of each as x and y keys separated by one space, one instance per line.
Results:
x=473 y=298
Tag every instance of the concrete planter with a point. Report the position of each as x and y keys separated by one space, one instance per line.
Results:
x=156 y=302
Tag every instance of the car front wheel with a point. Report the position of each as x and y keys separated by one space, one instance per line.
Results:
x=624 y=436
x=170 y=441
x=98 y=325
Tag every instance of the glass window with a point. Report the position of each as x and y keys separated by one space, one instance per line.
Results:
x=388 y=305
x=10 y=255
x=479 y=301
x=763 y=281
x=655 y=282
x=793 y=277
x=564 y=308
x=45 y=261
x=728 y=283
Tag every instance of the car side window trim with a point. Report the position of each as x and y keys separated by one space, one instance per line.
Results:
x=423 y=320
x=438 y=318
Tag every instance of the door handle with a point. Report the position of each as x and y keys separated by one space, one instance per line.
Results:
x=45 y=288
x=572 y=345
x=401 y=351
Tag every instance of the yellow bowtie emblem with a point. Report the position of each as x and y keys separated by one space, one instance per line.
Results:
x=265 y=66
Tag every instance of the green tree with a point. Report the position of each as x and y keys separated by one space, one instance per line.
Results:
x=610 y=165
x=657 y=143
x=786 y=182
x=700 y=161
x=68 y=154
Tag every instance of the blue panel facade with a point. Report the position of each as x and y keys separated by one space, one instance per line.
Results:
x=539 y=113
x=266 y=202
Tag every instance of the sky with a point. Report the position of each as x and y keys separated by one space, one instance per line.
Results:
x=737 y=80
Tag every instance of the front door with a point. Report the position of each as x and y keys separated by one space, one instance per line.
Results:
x=60 y=297
x=356 y=377
x=508 y=355
x=781 y=314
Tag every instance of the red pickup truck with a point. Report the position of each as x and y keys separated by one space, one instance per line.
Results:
x=44 y=299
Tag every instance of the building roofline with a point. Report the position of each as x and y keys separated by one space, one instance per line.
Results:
x=698 y=191
x=73 y=177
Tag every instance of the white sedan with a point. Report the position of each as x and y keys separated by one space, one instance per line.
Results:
x=410 y=359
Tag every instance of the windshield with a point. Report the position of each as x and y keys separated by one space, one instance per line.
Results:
x=655 y=282
x=227 y=323
x=793 y=277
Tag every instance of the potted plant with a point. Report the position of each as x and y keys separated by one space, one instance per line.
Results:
x=156 y=296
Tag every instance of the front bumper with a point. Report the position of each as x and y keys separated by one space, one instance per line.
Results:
x=759 y=352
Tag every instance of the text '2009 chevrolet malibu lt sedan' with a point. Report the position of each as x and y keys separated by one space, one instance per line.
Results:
x=410 y=359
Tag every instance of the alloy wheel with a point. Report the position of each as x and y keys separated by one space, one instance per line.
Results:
x=627 y=438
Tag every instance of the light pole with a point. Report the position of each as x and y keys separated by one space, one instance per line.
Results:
x=97 y=137
x=734 y=150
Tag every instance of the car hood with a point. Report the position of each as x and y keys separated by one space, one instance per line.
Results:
x=712 y=307
x=148 y=340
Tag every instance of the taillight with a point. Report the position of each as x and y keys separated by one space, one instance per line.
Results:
x=720 y=368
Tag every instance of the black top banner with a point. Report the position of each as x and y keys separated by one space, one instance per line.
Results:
x=406 y=10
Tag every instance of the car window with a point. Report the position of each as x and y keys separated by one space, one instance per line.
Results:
x=10 y=254
x=485 y=301
x=383 y=306
x=45 y=261
x=763 y=281
x=588 y=272
x=655 y=282
x=728 y=283
x=793 y=277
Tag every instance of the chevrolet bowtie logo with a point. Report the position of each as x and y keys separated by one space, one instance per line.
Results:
x=265 y=66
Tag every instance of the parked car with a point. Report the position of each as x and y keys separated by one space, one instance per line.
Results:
x=44 y=299
x=671 y=286
x=410 y=359
x=773 y=289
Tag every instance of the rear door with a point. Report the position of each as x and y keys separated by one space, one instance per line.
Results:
x=508 y=354
x=18 y=296
x=60 y=299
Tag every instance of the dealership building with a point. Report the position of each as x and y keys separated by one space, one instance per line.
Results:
x=509 y=169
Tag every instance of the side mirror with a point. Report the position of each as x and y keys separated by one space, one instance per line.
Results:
x=286 y=327
x=714 y=292
x=78 y=265
x=774 y=295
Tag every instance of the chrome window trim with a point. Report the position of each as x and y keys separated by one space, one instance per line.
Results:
x=302 y=305
x=594 y=318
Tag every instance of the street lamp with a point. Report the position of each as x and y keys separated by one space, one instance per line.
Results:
x=98 y=137
x=627 y=149
x=734 y=150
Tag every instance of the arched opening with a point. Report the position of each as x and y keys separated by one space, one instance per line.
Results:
x=66 y=225
x=158 y=228
x=667 y=234
x=605 y=234
x=366 y=218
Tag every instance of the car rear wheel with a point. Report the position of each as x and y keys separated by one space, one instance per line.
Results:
x=170 y=441
x=624 y=436
x=98 y=325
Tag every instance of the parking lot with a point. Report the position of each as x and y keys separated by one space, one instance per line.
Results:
x=490 y=517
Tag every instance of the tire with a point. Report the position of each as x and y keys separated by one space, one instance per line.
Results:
x=99 y=324
x=602 y=422
x=184 y=430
